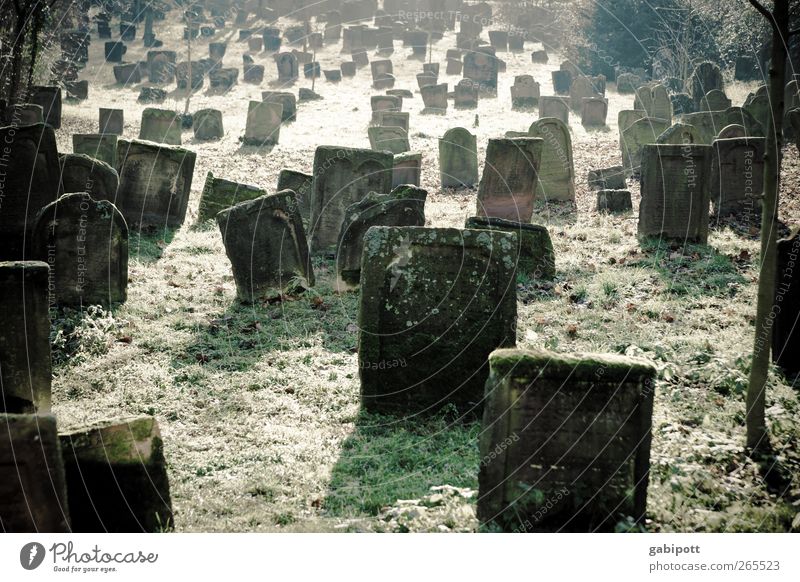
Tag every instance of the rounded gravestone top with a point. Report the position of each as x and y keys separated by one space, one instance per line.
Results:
x=732 y=130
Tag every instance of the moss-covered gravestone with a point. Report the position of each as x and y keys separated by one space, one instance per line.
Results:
x=343 y=176
x=403 y=206
x=219 y=194
x=82 y=173
x=391 y=139
x=101 y=146
x=706 y=77
x=614 y=201
x=737 y=175
x=434 y=303
x=31 y=181
x=566 y=445
x=25 y=340
x=715 y=100
x=154 y=183
x=33 y=496
x=633 y=139
x=675 y=192
x=407 y=169
x=301 y=184
x=160 y=126
x=556 y=171
x=612 y=178
x=510 y=178
x=266 y=244
x=534 y=252
x=458 y=158
x=117 y=477
x=680 y=133
x=85 y=242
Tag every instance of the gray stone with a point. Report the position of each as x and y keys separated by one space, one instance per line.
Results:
x=101 y=146
x=301 y=184
x=614 y=201
x=207 y=124
x=83 y=173
x=534 y=255
x=465 y=95
x=551 y=106
x=556 y=172
x=737 y=175
x=388 y=138
x=680 y=133
x=594 y=111
x=219 y=194
x=524 y=92
x=705 y=77
x=612 y=178
x=263 y=123
x=458 y=158
x=286 y=99
x=407 y=169
x=112 y=121
x=715 y=100
x=481 y=66
x=633 y=139
x=435 y=99
x=509 y=182
x=161 y=126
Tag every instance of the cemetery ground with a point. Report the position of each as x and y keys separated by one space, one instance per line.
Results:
x=259 y=404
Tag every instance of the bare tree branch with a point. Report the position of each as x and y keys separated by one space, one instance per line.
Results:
x=765 y=13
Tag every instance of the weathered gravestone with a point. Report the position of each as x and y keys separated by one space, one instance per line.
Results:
x=454 y=64
x=760 y=109
x=263 y=123
x=24 y=344
x=481 y=66
x=207 y=124
x=594 y=111
x=382 y=74
x=114 y=51
x=541 y=57
x=266 y=245
x=628 y=83
x=715 y=100
x=508 y=185
x=154 y=183
x=22 y=114
x=552 y=106
x=219 y=194
x=434 y=97
x=395 y=119
x=50 y=100
x=556 y=172
x=534 y=254
x=222 y=80
x=348 y=69
x=160 y=126
x=111 y=121
x=458 y=158
x=403 y=206
x=152 y=95
x=732 y=130
x=737 y=175
x=786 y=327
x=614 y=201
x=705 y=77
x=301 y=184
x=287 y=100
x=287 y=67
x=573 y=435
x=434 y=303
x=682 y=103
x=581 y=88
x=85 y=243
x=612 y=178
x=710 y=123
x=83 y=173
x=660 y=103
x=381 y=103
x=524 y=92
x=562 y=80
x=161 y=66
x=675 y=197
x=31 y=181
x=117 y=477
x=644 y=131
x=343 y=176
x=406 y=169
x=388 y=138
x=101 y=146
x=680 y=133
x=628 y=117
x=465 y=94
x=33 y=495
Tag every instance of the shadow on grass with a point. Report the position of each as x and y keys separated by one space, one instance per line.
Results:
x=690 y=270
x=388 y=458
x=147 y=244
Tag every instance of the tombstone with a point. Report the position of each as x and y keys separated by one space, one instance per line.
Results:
x=266 y=245
x=343 y=176
x=660 y=103
x=287 y=67
x=271 y=37
x=534 y=256
x=301 y=184
x=418 y=41
x=680 y=133
x=117 y=477
x=458 y=158
x=580 y=89
x=434 y=97
x=737 y=175
x=426 y=80
x=382 y=103
x=509 y=182
x=306 y=94
x=403 y=206
x=576 y=432
x=541 y=57
x=100 y=146
x=285 y=99
x=562 y=80
x=182 y=75
x=594 y=111
x=207 y=124
x=216 y=50
x=312 y=70
x=388 y=138
x=498 y=39
x=516 y=42
x=715 y=100
x=128 y=73
x=77 y=90
x=50 y=100
x=31 y=181
x=335 y=75
x=161 y=66
x=255 y=44
x=382 y=74
x=22 y=114
x=385 y=40
x=25 y=368
x=524 y=92
x=466 y=94
x=434 y=303
x=557 y=107
x=644 y=131
x=614 y=201
x=705 y=77
x=111 y=121
x=628 y=83
x=395 y=119
x=402 y=93
x=406 y=169
x=454 y=64
x=161 y=126
x=154 y=183
x=732 y=130
x=151 y=95
x=785 y=329
x=682 y=103
x=556 y=172
x=675 y=197
x=263 y=123
x=83 y=173
x=33 y=496
x=114 y=51
x=85 y=243
x=481 y=66
x=612 y=178
x=348 y=69
x=223 y=79
x=628 y=117
x=219 y=194
x=359 y=57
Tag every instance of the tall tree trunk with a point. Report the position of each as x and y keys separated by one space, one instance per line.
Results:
x=757 y=437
